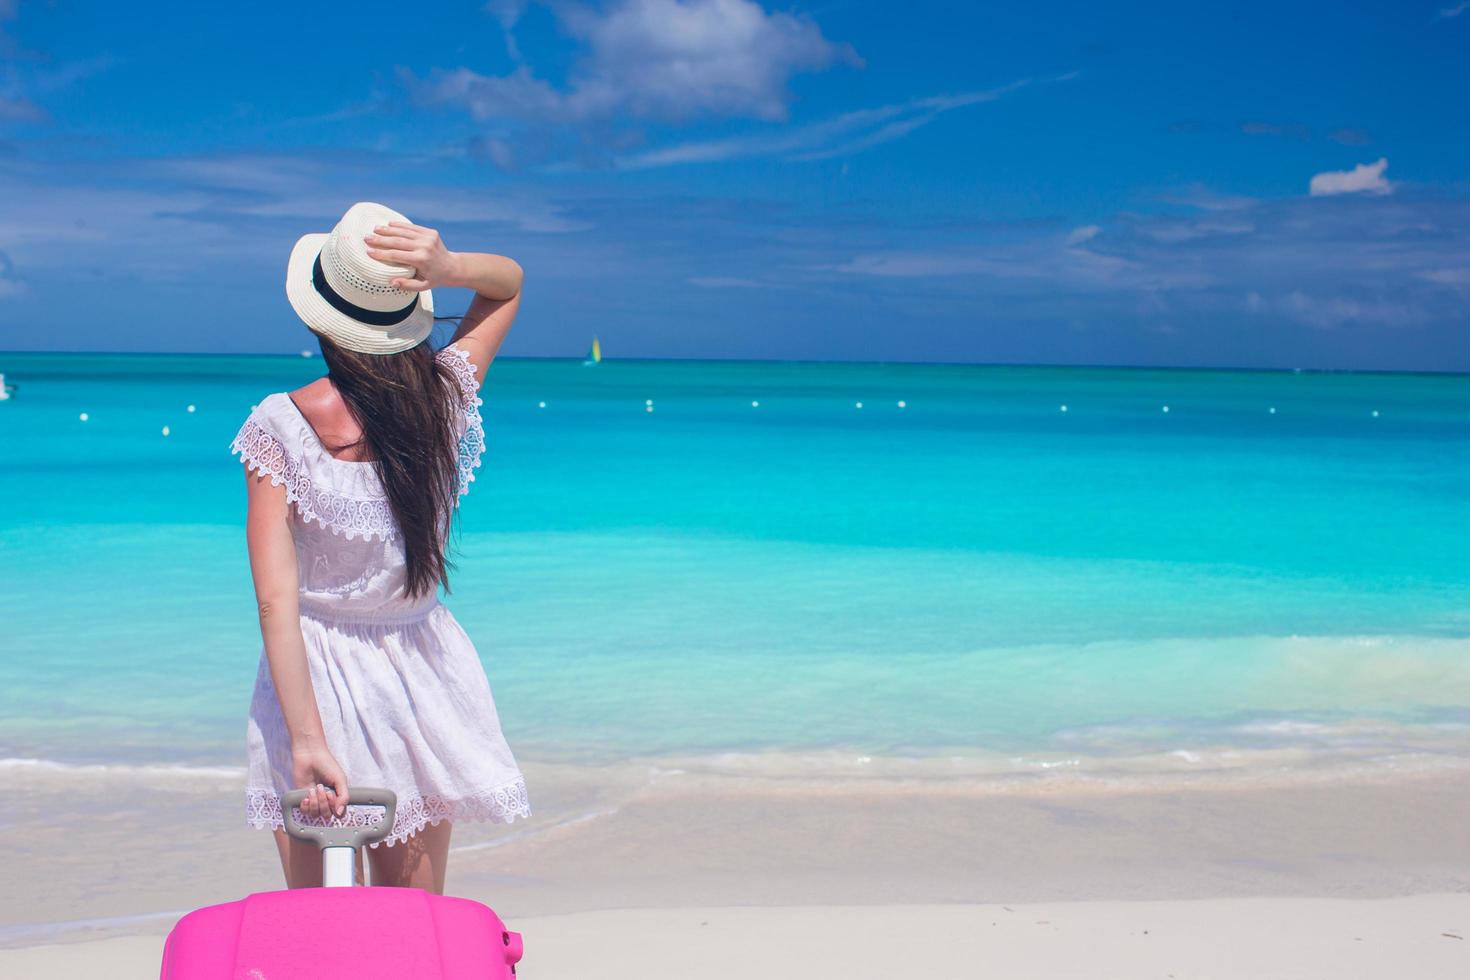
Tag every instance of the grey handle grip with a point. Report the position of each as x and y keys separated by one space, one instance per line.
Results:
x=342 y=836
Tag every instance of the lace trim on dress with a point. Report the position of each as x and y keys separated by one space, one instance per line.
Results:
x=341 y=513
x=472 y=442
x=347 y=498
x=503 y=804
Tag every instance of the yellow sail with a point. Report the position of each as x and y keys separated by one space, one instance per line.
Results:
x=594 y=356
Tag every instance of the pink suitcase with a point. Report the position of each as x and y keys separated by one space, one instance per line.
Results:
x=340 y=930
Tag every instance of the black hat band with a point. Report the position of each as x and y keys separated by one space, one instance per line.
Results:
x=345 y=306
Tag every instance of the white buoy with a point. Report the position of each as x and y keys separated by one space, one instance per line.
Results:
x=165 y=430
x=540 y=404
x=648 y=401
x=648 y=408
x=84 y=416
x=755 y=404
x=903 y=404
x=1375 y=413
x=859 y=404
x=1064 y=408
x=190 y=409
x=1273 y=409
x=1166 y=409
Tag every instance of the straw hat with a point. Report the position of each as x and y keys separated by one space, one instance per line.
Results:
x=345 y=295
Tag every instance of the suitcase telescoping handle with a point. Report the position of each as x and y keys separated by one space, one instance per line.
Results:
x=339 y=844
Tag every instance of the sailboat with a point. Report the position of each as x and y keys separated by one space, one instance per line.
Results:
x=594 y=356
x=6 y=389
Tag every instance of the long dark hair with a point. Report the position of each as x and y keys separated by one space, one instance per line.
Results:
x=405 y=404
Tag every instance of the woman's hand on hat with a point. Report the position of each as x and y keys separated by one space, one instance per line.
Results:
x=402 y=243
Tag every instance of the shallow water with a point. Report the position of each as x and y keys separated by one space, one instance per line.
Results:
x=977 y=574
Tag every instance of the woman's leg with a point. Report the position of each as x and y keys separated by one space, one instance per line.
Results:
x=302 y=862
x=415 y=863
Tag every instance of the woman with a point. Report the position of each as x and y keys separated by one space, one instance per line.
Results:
x=353 y=481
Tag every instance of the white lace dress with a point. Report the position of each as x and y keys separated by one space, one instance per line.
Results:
x=404 y=701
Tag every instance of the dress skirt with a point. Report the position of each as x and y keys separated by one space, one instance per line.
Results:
x=405 y=705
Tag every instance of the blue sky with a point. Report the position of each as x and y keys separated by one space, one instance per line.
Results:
x=1274 y=184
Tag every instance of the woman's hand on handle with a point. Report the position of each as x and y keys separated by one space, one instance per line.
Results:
x=312 y=765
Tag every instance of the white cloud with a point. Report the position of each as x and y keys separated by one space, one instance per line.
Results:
x=1454 y=10
x=1201 y=197
x=519 y=94
x=1447 y=277
x=657 y=59
x=491 y=206
x=180 y=214
x=23 y=79
x=1370 y=259
x=1365 y=178
x=17 y=108
x=280 y=185
x=10 y=283
x=1022 y=265
x=1335 y=311
x=1170 y=231
x=840 y=135
x=508 y=12
x=672 y=61
x=723 y=282
x=927 y=265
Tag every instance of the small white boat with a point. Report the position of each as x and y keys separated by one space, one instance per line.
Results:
x=6 y=389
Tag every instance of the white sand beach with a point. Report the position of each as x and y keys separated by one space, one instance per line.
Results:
x=642 y=872
x=1420 y=936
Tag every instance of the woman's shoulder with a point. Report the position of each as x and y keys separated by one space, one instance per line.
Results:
x=267 y=404
x=329 y=422
x=266 y=440
x=276 y=442
x=278 y=435
x=266 y=413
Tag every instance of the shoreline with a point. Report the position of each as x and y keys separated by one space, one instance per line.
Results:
x=817 y=771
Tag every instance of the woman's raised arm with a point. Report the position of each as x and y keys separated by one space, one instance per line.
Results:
x=495 y=279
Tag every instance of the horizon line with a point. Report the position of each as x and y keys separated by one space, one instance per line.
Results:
x=1223 y=368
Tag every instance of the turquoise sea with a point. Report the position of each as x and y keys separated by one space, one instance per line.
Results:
x=1008 y=567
